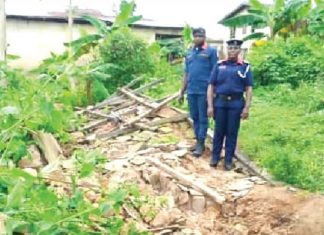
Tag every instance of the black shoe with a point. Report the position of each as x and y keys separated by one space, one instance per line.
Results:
x=199 y=149
x=213 y=163
x=228 y=166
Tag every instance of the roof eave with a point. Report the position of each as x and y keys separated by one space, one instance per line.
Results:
x=237 y=10
x=80 y=20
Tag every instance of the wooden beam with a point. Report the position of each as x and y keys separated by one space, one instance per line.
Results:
x=137 y=99
x=149 y=112
x=116 y=133
x=138 y=126
x=3 y=41
x=183 y=179
x=93 y=125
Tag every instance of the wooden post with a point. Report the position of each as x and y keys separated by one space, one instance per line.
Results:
x=70 y=26
x=3 y=43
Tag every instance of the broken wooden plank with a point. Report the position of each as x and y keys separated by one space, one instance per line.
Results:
x=184 y=179
x=127 y=110
x=93 y=125
x=49 y=146
x=117 y=132
x=127 y=130
x=169 y=227
x=126 y=104
x=110 y=117
x=147 y=113
x=162 y=121
x=247 y=163
x=137 y=99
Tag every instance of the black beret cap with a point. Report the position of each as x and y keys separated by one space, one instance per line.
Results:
x=234 y=42
x=200 y=31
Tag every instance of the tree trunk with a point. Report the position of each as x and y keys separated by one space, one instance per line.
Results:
x=89 y=91
x=70 y=26
x=3 y=43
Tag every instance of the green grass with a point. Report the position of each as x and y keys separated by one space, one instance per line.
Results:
x=285 y=134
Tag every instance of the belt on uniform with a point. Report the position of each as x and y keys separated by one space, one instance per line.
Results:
x=229 y=97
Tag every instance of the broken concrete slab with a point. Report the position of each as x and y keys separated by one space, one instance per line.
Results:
x=138 y=161
x=241 y=185
x=180 y=153
x=198 y=204
x=116 y=165
x=240 y=194
x=195 y=193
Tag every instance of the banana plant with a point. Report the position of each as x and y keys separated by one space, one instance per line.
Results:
x=259 y=16
x=281 y=17
x=316 y=19
x=123 y=19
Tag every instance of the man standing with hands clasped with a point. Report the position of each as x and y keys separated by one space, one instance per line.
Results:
x=226 y=103
x=199 y=63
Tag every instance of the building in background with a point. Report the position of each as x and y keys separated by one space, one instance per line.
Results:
x=34 y=37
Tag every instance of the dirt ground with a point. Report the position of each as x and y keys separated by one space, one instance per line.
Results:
x=251 y=206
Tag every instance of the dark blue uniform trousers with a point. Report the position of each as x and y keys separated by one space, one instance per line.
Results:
x=227 y=124
x=198 y=112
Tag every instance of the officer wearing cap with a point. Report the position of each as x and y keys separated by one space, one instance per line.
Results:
x=229 y=81
x=199 y=63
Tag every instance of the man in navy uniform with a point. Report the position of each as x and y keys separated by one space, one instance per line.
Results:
x=226 y=103
x=199 y=64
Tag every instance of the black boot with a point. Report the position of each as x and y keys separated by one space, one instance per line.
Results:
x=213 y=163
x=228 y=166
x=199 y=149
x=194 y=147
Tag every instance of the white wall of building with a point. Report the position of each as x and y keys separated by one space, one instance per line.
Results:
x=34 y=41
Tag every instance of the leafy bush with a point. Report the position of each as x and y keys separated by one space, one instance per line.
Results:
x=291 y=61
x=34 y=208
x=28 y=104
x=129 y=54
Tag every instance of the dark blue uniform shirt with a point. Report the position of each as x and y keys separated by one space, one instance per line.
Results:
x=231 y=78
x=199 y=64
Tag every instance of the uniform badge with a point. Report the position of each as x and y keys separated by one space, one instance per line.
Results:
x=222 y=67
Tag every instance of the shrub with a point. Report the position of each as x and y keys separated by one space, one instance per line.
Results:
x=129 y=54
x=291 y=61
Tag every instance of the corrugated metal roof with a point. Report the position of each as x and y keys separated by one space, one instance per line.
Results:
x=59 y=13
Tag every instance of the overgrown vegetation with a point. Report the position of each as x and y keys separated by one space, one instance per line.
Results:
x=32 y=207
x=285 y=131
x=28 y=104
x=292 y=61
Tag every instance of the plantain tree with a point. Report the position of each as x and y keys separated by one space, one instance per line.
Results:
x=281 y=17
